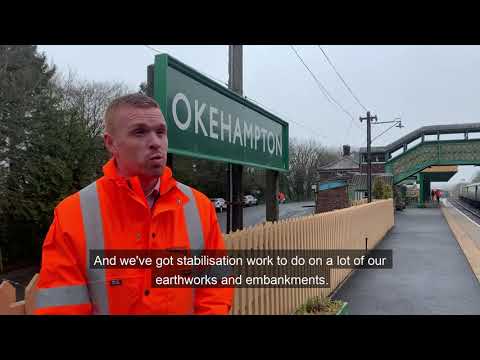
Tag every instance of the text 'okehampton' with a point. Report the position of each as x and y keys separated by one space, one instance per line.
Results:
x=220 y=125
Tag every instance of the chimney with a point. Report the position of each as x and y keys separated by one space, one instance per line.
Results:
x=346 y=150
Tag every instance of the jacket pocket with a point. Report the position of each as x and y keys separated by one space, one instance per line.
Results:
x=116 y=295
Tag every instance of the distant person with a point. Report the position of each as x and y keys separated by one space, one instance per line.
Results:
x=433 y=195
x=438 y=193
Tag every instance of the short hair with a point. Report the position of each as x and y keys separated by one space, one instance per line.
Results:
x=137 y=100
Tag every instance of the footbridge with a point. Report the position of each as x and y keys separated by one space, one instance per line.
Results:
x=430 y=153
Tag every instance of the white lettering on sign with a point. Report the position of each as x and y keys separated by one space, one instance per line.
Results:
x=257 y=135
x=264 y=132
x=272 y=149
x=243 y=131
x=198 y=118
x=213 y=123
x=223 y=126
x=238 y=132
x=248 y=131
x=182 y=126
x=278 y=146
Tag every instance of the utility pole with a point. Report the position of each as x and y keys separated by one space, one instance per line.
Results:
x=397 y=122
x=234 y=172
x=369 y=160
x=150 y=92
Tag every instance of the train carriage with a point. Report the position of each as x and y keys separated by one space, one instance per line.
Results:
x=469 y=193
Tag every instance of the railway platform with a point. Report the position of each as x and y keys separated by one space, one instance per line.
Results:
x=430 y=274
x=464 y=221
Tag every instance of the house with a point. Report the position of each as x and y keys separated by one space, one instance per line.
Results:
x=343 y=168
x=345 y=180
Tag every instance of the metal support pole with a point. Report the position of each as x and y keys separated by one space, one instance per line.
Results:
x=150 y=92
x=235 y=83
x=421 y=195
x=428 y=190
x=229 y=195
x=150 y=83
x=271 y=200
x=369 y=157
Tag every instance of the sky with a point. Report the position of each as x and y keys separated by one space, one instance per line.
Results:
x=424 y=85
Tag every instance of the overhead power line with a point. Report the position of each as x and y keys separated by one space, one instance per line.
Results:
x=397 y=124
x=326 y=93
x=320 y=85
x=289 y=120
x=383 y=132
x=154 y=49
x=341 y=78
x=222 y=82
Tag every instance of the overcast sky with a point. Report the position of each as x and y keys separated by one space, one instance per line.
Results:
x=425 y=85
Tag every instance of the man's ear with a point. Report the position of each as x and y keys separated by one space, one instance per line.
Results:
x=109 y=144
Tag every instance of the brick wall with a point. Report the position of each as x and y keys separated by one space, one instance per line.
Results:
x=331 y=199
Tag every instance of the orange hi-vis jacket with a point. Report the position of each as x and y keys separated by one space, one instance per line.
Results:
x=112 y=214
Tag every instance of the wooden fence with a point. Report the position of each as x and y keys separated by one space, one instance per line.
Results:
x=336 y=230
x=8 y=297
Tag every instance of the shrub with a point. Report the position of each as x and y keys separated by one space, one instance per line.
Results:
x=318 y=305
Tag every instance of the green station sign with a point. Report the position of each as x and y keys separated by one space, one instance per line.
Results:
x=207 y=120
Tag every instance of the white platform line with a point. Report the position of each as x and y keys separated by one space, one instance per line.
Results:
x=473 y=222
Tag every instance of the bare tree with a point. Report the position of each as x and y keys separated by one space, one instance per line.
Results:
x=83 y=104
x=88 y=99
x=305 y=159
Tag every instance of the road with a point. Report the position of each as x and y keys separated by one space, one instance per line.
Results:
x=256 y=214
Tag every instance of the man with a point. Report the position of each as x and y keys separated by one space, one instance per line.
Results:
x=138 y=205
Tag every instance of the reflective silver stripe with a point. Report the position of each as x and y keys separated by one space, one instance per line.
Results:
x=194 y=228
x=65 y=295
x=192 y=218
x=93 y=228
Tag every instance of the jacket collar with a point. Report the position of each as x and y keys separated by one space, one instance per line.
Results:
x=167 y=182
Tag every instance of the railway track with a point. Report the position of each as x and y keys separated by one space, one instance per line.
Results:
x=470 y=211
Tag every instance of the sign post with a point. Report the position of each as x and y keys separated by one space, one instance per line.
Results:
x=150 y=92
x=235 y=171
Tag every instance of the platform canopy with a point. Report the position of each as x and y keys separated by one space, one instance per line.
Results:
x=440 y=173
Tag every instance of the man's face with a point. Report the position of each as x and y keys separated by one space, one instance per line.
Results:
x=138 y=141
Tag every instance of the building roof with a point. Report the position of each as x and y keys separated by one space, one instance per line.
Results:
x=345 y=163
x=359 y=181
x=327 y=185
